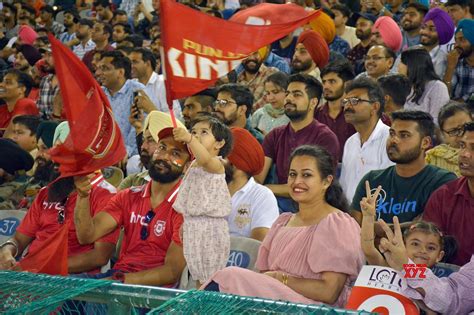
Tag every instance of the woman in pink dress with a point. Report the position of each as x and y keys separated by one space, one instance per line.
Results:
x=309 y=257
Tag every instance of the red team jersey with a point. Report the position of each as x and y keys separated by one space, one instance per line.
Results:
x=41 y=220
x=129 y=208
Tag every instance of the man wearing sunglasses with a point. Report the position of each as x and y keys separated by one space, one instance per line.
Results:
x=151 y=252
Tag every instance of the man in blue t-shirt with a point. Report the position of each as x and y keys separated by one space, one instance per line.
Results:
x=406 y=186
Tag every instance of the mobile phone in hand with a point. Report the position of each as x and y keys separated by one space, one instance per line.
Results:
x=135 y=105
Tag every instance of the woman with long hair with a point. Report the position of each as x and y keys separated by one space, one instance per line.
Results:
x=428 y=92
x=308 y=257
x=272 y=114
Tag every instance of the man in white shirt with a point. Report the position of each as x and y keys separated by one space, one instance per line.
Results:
x=83 y=37
x=437 y=30
x=254 y=207
x=366 y=149
x=348 y=33
x=143 y=65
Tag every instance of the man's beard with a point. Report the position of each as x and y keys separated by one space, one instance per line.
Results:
x=296 y=115
x=164 y=177
x=363 y=35
x=227 y=121
x=45 y=171
x=301 y=66
x=336 y=95
x=430 y=41
x=408 y=157
x=145 y=159
x=251 y=69
x=59 y=190
x=411 y=27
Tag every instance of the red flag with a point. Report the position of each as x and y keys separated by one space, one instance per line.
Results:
x=95 y=140
x=271 y=14
x=199 y=48
x=52 y=258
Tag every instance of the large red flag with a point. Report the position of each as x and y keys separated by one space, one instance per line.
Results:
x=52 y=258
x=95 y=140
x=199 y=48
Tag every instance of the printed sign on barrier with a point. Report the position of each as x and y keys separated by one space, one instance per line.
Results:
x=378 y=289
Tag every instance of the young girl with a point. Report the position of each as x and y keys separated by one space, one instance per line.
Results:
x=424 y=242
x=204 y=199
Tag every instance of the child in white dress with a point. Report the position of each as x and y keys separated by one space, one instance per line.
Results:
x=204 y=199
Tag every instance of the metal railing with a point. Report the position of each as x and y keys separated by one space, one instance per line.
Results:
x=123 y=299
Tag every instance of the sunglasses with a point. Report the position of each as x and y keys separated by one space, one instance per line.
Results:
x=62 y=212
x=145 y=231
x=61 y=216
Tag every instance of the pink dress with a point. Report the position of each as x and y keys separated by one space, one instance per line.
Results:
x=303 y=252
x=205 y=202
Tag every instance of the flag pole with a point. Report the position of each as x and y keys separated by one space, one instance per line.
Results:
x=169 y=98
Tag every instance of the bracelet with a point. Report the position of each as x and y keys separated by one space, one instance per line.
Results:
x=369 y=240
x=13 y=243
x=118 y=276
x=284 y=278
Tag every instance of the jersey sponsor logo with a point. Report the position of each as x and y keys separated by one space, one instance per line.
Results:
x=137 y=218
x=58 y=206
x=387 y=205
x=159 y=227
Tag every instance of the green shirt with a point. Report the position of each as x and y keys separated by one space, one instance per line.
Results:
x=404 y=197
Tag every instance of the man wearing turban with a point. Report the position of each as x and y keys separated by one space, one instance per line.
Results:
x=311 y=54
x=147 y=141
x=254 y=207
x=460 y=62
x=437 y=29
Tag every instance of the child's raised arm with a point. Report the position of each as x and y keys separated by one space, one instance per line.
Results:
x=211 y=164
x=367 y=234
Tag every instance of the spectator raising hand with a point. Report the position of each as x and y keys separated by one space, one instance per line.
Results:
x=392 y=246
x=368 y=205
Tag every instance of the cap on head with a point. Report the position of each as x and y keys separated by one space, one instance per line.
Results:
x=466 y=26
x=390 y=32
x=155 y=121
x=316 y=47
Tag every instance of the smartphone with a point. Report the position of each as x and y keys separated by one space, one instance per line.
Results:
x=135 y=106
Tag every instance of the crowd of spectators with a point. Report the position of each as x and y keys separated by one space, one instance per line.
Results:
x=318 y=146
